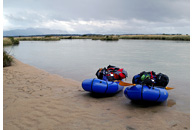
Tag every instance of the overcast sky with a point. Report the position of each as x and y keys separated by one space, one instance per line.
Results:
x=99 y=16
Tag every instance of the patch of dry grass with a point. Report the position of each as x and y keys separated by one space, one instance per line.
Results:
x=15 y=40
x=7 y=41
x=157 y=37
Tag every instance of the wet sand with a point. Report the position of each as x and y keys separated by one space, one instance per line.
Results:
x=36 y=100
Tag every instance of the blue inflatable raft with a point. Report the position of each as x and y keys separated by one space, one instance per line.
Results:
x=101 y=86
x=145 y=93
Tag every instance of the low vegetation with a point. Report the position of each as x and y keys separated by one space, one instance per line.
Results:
x=39 y=38
x=7 y=59
x=157 y=37
x=107 y=38
x=15 y=40
x=10 y=41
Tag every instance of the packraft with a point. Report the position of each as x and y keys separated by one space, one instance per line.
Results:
x=149 y=87
x=107 y=81
x=151 y=79
x=101 y=86
x=146 y=93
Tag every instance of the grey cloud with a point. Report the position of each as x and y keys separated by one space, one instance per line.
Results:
x=108 y=9
x=157 y=14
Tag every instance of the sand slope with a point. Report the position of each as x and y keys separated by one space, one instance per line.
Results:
x=36 y=100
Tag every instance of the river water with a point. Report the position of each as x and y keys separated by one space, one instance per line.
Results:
x=80 y=59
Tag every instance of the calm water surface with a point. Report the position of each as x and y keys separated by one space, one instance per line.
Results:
x=80 y=59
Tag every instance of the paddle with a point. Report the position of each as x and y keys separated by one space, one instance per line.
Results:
x=129 y=84
x=125 y=84
x=169 y=88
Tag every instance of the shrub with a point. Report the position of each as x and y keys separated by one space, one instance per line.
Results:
x=10 y=41
x=7 y=42
x=7 y=59
x=14 y=42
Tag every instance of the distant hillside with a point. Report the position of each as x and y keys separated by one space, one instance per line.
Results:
x=32 y=31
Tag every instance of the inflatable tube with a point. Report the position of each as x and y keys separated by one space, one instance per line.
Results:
x=101 y=86
x=145 y=93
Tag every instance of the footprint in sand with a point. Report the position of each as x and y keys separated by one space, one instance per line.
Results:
x=171 y=102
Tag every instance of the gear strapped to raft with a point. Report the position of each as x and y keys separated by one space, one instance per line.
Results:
x=111 y=73
x=151 y=79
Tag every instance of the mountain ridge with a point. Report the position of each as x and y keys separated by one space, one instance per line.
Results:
x=32 y=31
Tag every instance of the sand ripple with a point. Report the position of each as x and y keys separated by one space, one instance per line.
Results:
x=36 y=100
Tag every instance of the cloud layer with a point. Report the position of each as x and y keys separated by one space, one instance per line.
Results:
x=99 y=16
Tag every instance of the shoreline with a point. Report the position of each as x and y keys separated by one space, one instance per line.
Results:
x=14 y=40
x=36 y=99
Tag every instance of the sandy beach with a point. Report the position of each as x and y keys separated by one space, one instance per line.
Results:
x=36 y=100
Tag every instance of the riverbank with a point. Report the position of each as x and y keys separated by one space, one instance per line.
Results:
x=7 y=41
x=35 y=99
